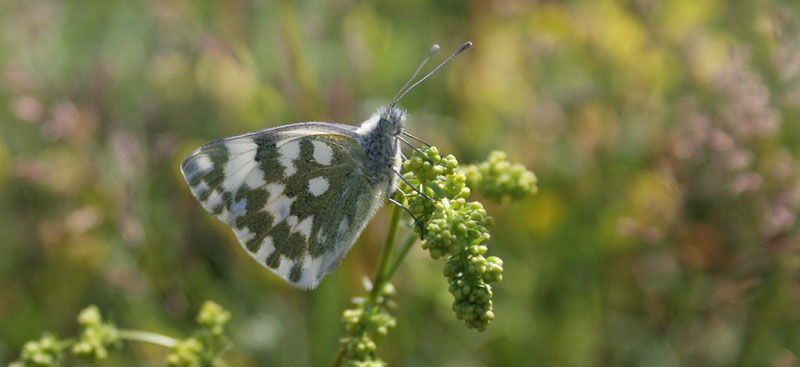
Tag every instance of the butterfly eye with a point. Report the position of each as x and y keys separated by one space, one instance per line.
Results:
x=386 y=123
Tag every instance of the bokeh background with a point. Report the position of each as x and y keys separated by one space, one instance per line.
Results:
x=664 y=135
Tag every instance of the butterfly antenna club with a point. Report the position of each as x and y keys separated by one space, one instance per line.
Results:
x=462 y=48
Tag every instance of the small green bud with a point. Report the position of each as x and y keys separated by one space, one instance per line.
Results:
x=90 y=316
x=96 y=336
x=45 y=352
x=187 y=353
x=213 y=317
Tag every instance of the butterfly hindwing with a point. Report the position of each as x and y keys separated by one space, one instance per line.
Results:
x=296 y=196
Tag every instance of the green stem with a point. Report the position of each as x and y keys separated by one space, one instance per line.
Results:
x=147 y=337
x=340 y=356
x=382 y=276
x=402 y=255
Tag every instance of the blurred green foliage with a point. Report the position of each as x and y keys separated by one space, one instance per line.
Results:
x=98 y=337
x=663 y=134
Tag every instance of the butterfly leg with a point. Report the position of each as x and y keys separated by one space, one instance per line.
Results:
x=395 y=202
x=410 y=185
x=416 y=138
x=398 y=189
x=414 y=148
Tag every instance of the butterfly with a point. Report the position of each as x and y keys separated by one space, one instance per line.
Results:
x=298 y=196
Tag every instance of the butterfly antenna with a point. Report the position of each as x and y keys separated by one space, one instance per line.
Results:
x=432 y=51
x=397 y=99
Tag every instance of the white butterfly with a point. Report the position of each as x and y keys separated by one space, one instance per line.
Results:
x=298 y=196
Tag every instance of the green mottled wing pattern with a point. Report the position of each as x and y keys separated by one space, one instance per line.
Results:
x=296 y=196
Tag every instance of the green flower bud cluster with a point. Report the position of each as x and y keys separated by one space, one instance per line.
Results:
x=496 y=178
x=209 y=343
x=436 y=176
x=93 y=344
x=457 y=226
x=185 y=353
x=96 y=336
x=213 y=318
x=456 y=230
x=470 y=287
x=41 y=353
x=367 y=324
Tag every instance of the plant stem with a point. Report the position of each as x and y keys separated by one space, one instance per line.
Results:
x=402 y=255
x=147 y=337
x=340 y=356
x=382 y=276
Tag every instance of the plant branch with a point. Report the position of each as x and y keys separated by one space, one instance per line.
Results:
x=382 y=276
x=340 y=354
x=147 y=337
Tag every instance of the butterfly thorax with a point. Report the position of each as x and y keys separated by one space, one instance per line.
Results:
x=378 y=137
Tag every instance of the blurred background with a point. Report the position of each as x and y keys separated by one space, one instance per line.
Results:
x=664 y=135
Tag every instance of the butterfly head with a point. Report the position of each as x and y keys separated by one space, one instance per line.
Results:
x=392 y=121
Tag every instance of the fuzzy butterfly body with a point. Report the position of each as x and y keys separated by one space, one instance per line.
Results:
x=298 y=196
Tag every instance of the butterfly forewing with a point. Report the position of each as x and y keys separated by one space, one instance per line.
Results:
x=296 y=196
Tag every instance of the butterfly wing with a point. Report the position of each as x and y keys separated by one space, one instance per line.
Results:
x=296 y=196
